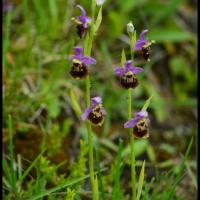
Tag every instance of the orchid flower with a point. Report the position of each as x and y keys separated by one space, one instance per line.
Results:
x=127 y=74
x=95 y=113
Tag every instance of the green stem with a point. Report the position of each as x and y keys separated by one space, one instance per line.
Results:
x=131 y=46
x=133 y=162
x=87 y=52
x=133 y=178
x=89 y=129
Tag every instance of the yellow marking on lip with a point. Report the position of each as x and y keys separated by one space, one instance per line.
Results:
x=76 y=61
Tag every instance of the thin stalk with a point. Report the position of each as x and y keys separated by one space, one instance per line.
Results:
x=89 y=129
x=87 y=52
x=133 y=178
x=11 y=151
x=131 y=46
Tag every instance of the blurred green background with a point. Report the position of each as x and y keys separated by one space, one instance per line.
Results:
x=38 y=37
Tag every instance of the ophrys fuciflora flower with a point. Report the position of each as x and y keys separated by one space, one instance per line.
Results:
x=140 y=124
x=82 y=22
x=143 y=45
x=127 y=74
x=79 y=68
x=95 y=113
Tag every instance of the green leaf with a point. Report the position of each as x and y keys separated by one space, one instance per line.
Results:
x=98 y=21
x=123 y=58
x=141 y=180
x=146 y=104
x=96 y=188
x=74 y=102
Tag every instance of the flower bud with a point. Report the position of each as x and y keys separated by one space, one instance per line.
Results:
x=130 y=27
x=99 y=2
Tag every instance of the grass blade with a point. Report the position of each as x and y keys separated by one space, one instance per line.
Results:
x=101 y=186
x=19 y=166
x=64 y=185
x=31 y=166
x=191 y=174
x=12 y=169
x=6 y=170
x=141 y=180
x=178 y=177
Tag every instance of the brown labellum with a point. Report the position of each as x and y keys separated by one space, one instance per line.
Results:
x=141 y=129
x=96 y=116
x=80 y=30
x=129 y=81
x=146 y=52
x=79 y=70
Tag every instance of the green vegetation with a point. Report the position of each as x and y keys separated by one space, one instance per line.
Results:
x=44 y=140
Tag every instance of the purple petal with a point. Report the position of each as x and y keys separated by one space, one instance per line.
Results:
x=78 y=51
x=138 y=45
x=95 y=101
x=141 y=114
x=128 y=63
x=86 y=113
x=142 y=34
x=141 y=41
x=84 y=21
x=82 y=10
x=119 y=71
x=131 y=123
x=88 y=60
x=135 y=70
